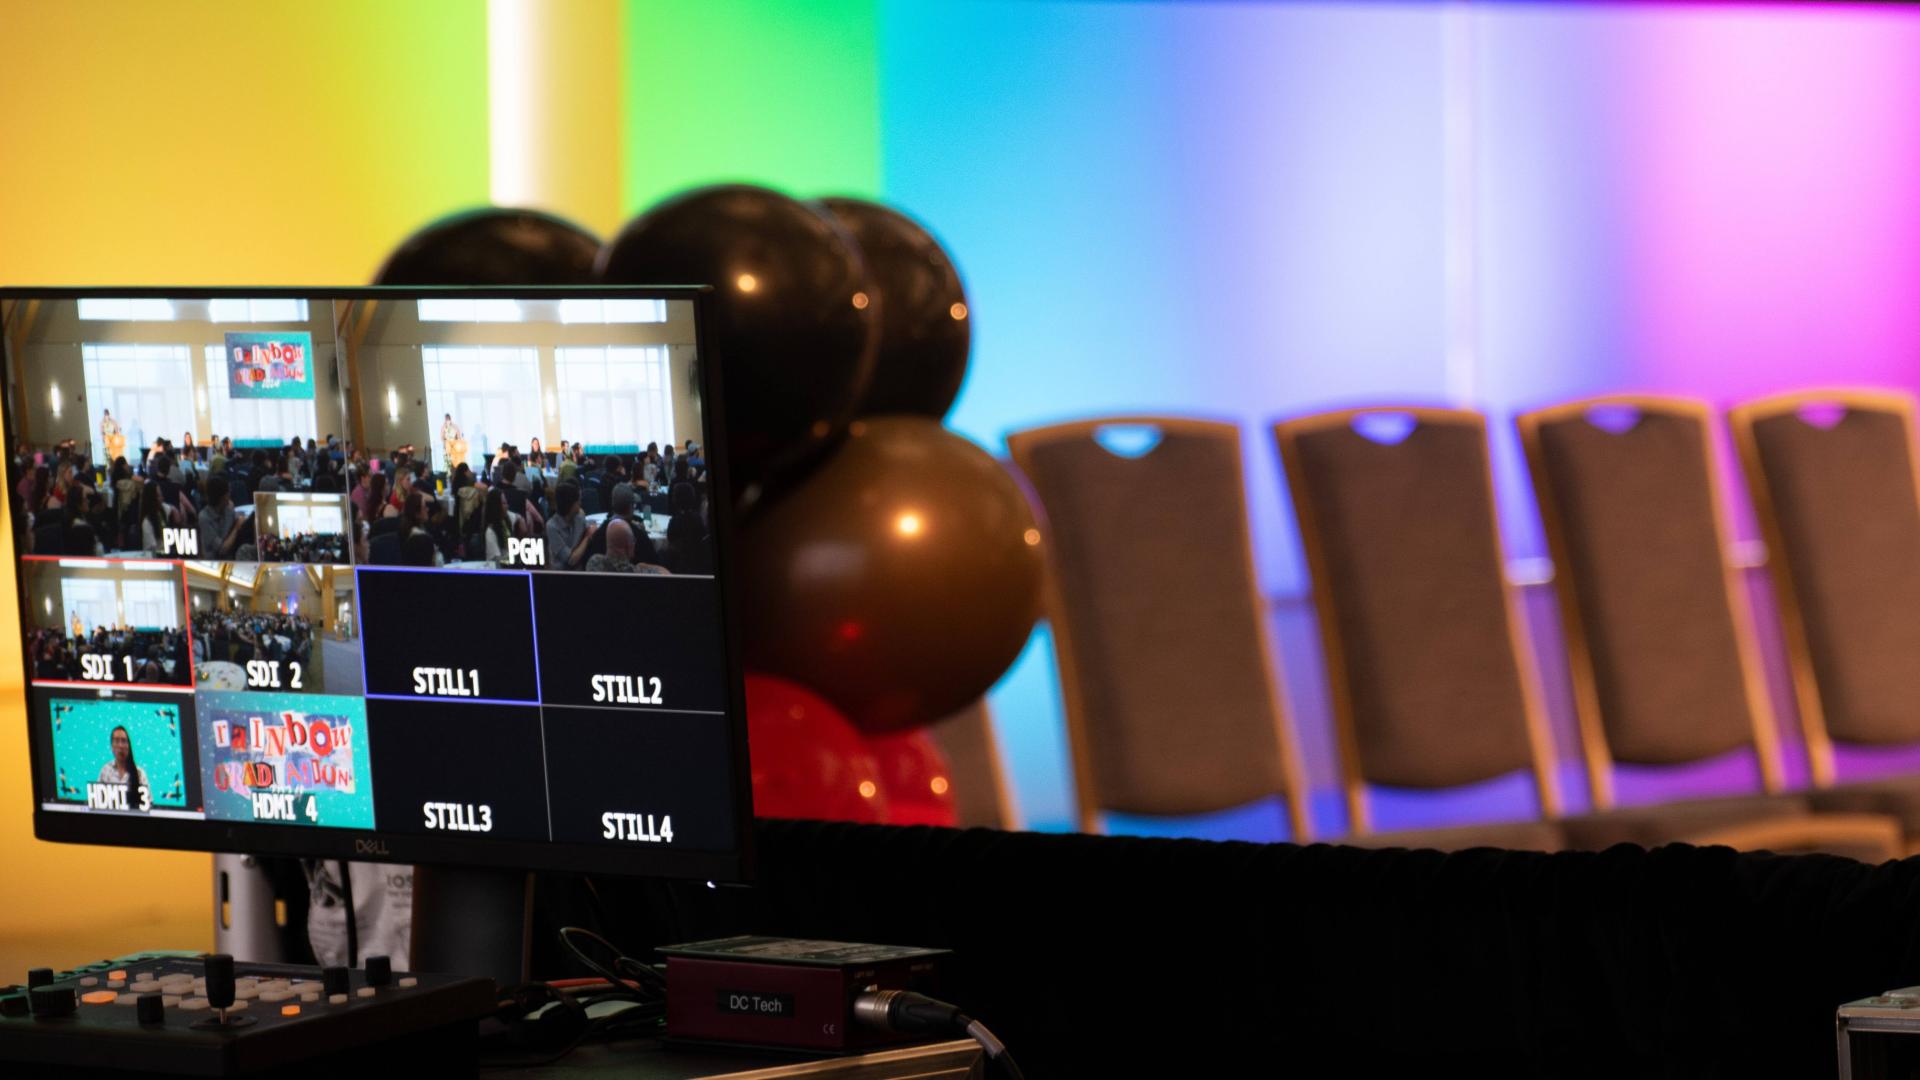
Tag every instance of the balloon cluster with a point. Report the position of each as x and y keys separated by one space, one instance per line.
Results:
x=891 y=569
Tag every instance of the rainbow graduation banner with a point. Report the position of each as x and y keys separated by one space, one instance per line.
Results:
x=270 y=365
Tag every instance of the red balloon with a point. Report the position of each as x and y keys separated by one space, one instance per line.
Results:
x=915 y=778
x=808 y=762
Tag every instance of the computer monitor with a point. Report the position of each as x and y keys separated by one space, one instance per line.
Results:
x=305 y=572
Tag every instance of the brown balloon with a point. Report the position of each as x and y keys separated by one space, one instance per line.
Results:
x=899 y=579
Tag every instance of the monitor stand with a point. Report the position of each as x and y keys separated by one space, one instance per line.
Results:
x=244 y=906
x=472 y=921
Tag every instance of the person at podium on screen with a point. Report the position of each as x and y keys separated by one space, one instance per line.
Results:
x=122 y=768
x=453 y=445
x=110 y=437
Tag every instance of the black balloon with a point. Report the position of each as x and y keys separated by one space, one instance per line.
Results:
x=494 y=247
x=791 y=319
x=925 y=323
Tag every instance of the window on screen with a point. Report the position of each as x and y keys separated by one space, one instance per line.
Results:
x=148 y=388
x=613 y=311
x=152 y=604
x=492 y=393
x=278 y=310
x=469 y=309
x=118 y=310
x=615 y=396
x=88 y=603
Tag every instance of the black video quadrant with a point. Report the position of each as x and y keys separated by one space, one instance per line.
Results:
x=447 y=635
x=631 y=642
x=618 y=776
x=459 y=770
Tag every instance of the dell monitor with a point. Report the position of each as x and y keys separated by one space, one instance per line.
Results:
x=391 y=574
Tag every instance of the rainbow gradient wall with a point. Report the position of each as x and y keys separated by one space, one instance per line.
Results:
x=1253 y=210
x=1232 y=209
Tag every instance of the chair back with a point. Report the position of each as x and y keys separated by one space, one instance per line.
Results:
x=1831 y=473
x=1427 y=671
x=1655 y=618
x=1158 y=624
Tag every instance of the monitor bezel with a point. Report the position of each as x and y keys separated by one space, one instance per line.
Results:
x=372 y=845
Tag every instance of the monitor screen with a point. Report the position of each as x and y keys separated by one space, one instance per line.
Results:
x=422 y=575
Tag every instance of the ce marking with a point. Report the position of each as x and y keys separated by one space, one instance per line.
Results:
x=829 y=1029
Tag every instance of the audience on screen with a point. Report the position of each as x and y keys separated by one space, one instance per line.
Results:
x=238 y=637
x=158 y=656
x=572 y=500
x=220 y=523
x=567 y=528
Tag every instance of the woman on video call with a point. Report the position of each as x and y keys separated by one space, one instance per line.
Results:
x=122 y=767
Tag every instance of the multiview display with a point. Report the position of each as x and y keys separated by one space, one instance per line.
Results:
x=396 y=567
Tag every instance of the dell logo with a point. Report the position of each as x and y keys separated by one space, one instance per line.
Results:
x=370 y=847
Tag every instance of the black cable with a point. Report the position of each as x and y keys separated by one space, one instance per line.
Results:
x=353 y=921
x=655 y=983
x=916 y=1014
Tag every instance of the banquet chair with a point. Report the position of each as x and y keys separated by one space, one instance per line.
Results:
x=1158 y=625
x=1426 y=668
x=1832 y=477
x=1659 y=638
x=980 y=793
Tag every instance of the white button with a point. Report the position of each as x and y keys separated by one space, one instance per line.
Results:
x=236 y=1006
x=246 y=993
x=144 y=986
x=365 y=992
x=275 y=997
x=89 y=981
x=408 y=981
x=275 y=984
x=169 y=1000
x=193 y=1004
x=116 y=984
x=310 y=996
x=336 y=999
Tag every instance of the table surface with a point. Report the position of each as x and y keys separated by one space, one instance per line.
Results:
x=648 y=1059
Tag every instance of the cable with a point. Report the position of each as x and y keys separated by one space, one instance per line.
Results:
x=626 y=971
x=916 y=1014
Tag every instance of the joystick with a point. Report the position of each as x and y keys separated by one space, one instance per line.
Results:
x=220 y=980
x=379 y=971
x=221 y=992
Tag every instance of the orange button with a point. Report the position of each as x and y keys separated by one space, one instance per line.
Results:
x=99 y=997
x=289 y=1010
x=116 y=974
